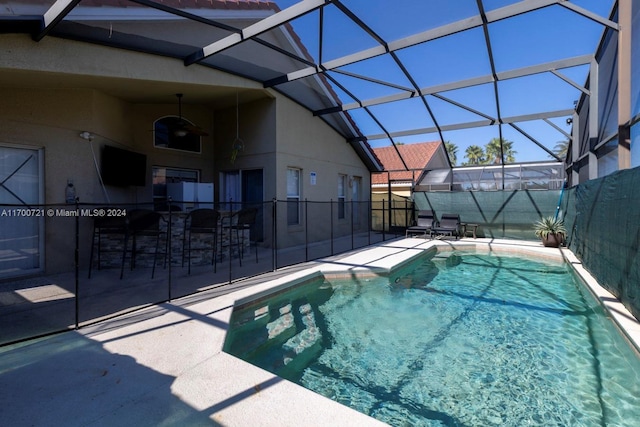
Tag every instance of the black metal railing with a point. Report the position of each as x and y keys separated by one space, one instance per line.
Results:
x=65 y=266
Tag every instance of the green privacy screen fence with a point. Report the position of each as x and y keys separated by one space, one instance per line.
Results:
x=606 y=233
x=499 y=214
x=602 y=217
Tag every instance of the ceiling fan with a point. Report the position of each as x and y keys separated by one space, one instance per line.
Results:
x=183 y=127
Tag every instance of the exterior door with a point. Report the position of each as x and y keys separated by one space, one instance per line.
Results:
x=21 y=217
x=253 y=195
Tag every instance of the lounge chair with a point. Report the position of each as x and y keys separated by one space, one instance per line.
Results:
x=449 y=225
x=423 y=225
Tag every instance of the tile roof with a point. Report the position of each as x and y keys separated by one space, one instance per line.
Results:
x=191 y=4
x=178 y=4
x=416 y=156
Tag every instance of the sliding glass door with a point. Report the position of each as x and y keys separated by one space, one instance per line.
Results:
x=21 y=225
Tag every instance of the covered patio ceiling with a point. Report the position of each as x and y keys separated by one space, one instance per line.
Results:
x=378 y=71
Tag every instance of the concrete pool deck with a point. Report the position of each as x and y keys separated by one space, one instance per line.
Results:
x=164 y=365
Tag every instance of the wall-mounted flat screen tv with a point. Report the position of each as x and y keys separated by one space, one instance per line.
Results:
x=123 y=168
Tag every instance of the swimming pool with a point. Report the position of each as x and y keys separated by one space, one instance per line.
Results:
x=452 y=339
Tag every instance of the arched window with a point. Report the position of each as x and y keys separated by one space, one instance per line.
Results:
x=176 y=133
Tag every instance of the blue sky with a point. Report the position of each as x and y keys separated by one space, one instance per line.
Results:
x=537 y=37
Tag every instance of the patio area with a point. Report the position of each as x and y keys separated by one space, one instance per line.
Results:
x=164 y=365
x=36 y=306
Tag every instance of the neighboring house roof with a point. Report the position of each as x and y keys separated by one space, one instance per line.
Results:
x=219 y=4
x=182 y=4
x=416 y=156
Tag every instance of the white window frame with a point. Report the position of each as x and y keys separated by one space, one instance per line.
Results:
x=294 y=195
x=342 y=196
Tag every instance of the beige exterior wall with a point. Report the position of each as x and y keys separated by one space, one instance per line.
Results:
x=34 y=117
x=310 y=145
x=55 y=89
x=144 y=115
x=52 y=119
x=114 y=68
x=258 y=132
x=31 y=119
x=398 y=190
x=279 y=134
x=306 y=142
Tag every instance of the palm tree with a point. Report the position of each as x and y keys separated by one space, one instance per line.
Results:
x=494 y=152
x=509 y=152
x=474 y=155
x=452 y=151
x=561 y=148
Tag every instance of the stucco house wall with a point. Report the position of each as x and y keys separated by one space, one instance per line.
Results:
x=257 y=122
x=279 y=134
x=312 y=146
x=55 y=89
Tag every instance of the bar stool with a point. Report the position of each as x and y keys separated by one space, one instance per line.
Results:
x=200 y=221
x=143 y=223
x=105 y=226
x=246 y=218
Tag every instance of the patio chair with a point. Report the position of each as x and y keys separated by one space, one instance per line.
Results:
x=449 y=225
x=423 y=224
x=107 y=226
x=143 y=223
x=201 y=221
x=246 y=218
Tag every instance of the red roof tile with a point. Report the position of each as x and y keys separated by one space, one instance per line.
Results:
x=181 y=4
x=416 y=156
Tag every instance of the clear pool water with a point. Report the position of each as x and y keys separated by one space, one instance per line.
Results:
x=458 y=339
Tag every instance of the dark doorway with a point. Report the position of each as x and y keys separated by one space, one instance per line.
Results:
x=253 y=195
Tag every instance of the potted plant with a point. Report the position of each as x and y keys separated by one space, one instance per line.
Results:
x=551 y=230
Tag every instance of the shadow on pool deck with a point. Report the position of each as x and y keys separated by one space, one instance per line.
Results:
x=71 y=380
x=159 y=366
